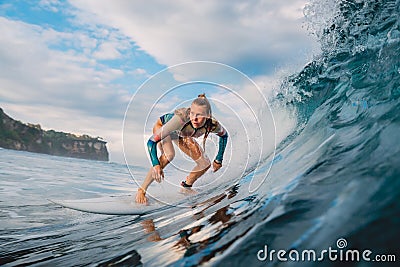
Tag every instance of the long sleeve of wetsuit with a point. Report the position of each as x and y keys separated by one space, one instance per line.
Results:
x=223 y=140
x=173 y=124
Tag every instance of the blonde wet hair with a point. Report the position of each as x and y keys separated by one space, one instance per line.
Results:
x=202 y=100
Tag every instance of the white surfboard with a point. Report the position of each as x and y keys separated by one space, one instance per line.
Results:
x=125 y=204
x=111 y=205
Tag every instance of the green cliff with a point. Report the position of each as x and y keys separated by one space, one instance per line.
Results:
x=28 y=137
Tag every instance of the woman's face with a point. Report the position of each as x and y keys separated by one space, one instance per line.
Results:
x=198 y=115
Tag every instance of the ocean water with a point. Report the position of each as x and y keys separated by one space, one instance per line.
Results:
x=334 y=184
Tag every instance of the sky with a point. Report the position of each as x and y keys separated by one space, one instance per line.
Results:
x=76 y=65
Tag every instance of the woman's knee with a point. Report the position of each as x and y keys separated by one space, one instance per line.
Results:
x=170 y=155
x=165 y=159
x=204 y=163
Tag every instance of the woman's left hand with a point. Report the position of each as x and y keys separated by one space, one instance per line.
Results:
x=217 y=165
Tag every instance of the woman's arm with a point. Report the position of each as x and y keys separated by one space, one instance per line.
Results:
x=152 y=149
x=223 y=140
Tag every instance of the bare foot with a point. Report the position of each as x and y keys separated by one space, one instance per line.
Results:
x=141 y=196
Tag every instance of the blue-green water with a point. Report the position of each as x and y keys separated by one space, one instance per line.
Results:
x=336 y=176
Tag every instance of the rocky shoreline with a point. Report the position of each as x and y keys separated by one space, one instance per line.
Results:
x=30 y=137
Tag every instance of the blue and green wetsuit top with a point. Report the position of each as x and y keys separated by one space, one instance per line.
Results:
x=178 y=124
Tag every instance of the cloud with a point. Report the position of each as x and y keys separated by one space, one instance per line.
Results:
x=142 y=72
x=49 y=77
x=51 y=5
x=107 y=51
x=33 y=72
x=79 y=77
x=254 y=37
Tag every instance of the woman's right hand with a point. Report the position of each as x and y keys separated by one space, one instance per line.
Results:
x=158 y=173
x=141 y=196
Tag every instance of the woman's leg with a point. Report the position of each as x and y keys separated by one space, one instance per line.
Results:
x=190 y=147
x=167 y=154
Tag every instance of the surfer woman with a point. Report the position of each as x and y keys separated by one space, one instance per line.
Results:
x=181 y=127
